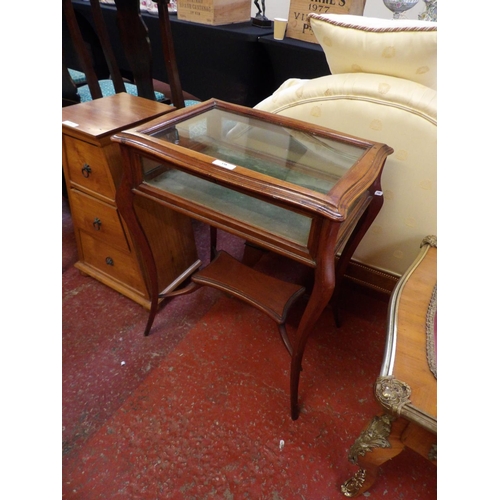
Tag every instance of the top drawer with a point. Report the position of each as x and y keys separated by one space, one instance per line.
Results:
x=88 y=167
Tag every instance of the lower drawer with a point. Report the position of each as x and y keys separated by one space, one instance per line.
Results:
x=120 y=267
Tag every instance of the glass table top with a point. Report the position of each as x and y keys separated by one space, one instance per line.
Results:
x=235 y=140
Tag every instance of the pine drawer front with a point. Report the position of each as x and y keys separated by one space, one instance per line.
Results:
x=99 y=220
x=119 y=266
x=88 y=168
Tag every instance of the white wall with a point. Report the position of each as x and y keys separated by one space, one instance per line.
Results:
x=373 y=8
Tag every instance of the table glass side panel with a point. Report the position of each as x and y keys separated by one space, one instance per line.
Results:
x=300 y=158
x=272 y=219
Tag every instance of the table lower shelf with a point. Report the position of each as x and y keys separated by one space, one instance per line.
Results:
x=271 y=295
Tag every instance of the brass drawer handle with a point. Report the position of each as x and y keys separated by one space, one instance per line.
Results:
x=97 y=224
x=86 y=170
x=109 y=261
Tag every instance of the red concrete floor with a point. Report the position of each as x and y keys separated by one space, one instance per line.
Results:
x=200 y=408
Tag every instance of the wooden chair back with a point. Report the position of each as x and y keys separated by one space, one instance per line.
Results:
x=83 y=53
x=136 y=46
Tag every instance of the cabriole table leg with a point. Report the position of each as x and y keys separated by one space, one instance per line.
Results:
x=378 y=443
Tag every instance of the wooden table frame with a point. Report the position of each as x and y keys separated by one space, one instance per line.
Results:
x=334 y=220
x=407 y=385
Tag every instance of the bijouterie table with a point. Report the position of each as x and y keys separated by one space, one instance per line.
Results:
x=302 y=191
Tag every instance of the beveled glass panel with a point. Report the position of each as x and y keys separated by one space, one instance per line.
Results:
x=270 y=218
x=300 y=158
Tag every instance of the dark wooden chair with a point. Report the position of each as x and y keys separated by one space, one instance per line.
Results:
x=137 y=48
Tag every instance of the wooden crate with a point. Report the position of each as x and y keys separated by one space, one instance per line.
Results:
x=214 y=12
x=298 y=26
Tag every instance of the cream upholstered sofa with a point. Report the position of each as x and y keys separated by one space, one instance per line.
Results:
x=382 y=88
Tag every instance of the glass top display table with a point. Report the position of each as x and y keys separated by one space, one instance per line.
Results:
x=304 y=192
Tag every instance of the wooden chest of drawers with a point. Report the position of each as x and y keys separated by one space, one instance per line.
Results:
x=92 y=169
